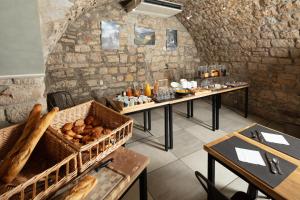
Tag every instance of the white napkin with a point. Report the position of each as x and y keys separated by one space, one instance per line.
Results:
x=275 y=138
x=250 y=156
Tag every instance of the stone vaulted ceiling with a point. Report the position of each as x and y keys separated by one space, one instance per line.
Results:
x=206 y=20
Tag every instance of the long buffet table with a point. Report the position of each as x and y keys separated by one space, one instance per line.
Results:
x=168 y=110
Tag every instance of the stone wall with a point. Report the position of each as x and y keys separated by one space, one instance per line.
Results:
x=17 y=97
x=259 y=41
x=55 y=15
x=80 y=66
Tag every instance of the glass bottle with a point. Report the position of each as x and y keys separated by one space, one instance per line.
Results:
x=147 y=90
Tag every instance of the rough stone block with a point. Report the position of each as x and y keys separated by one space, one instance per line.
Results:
x=291 y=34
x=19 y=112
x=82 y=48
x=132 y=59
x=129 y=78
x=295 y=53
x=123 y=58
x=103 y=70
x=264 y=43
x=92 y=83
x=269 y=60
x=279 y=52
x=113 y=70
x=267 y=35
x=95 y=57
x=113 y=59
x=282 y=43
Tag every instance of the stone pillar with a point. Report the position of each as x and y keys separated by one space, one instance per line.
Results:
x=17 y=97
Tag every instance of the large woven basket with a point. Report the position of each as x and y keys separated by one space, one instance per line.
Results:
x=95 y=151
x=51 y=165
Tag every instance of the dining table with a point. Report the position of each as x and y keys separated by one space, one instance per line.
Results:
x=167 y=105
x=272 y=146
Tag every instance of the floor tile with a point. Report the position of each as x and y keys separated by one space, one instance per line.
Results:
x=239 y=185
x=158 y=128
x=184 y=143
x=138 y=135
x=155 y=151
x=134 y=193
x=204 y=134
x=175 y=181
x=198 y=162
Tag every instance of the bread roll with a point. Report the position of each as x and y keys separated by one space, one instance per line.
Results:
x=67 y=127
x=70 y=133
x=79 y=122
x=89 y=120
x=82 y=189
x=68 y=137
x=19 y=159
x=33 y=119
x=78 y=129
x=78 y=136
x=88 y=127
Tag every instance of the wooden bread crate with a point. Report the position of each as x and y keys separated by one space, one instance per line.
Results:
x=95 y=151
x=51 y=165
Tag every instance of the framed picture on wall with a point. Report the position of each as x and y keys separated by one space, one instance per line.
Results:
x=144 y=36
x=171 y=42
x=110 y=35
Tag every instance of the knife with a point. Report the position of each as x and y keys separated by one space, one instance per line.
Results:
x=259 y=136
x=271 y=164
x=253 y=135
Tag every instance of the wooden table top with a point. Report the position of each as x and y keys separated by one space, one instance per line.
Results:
x=287 y=189
x=116 y=178
x=183 y=99
x=129 y=164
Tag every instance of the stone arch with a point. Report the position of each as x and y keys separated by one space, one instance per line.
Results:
x=79 y=65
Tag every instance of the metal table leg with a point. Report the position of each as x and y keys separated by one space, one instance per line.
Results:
x=171 y=125
x=145 y=120
x=211 y=173
x=149 y=120
x=192 y=108
x=166 y=107
x=188 y=109
x=219 y=101
x=246 y=102
x=218 y=106
x=252 y=192
x=143 y=185
x=214 y=112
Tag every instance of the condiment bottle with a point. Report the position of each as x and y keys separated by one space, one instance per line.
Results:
x=129 y=92
x=147 y=90
x=155 y=88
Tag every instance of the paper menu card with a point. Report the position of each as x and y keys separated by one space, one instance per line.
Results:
x=250 y=156
x=275 y=138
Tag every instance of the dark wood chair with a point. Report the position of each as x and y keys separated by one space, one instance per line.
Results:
x=61 y=99
x=214 y=193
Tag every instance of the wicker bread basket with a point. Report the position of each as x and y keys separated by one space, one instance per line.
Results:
x=95 y=151
x=51 y=165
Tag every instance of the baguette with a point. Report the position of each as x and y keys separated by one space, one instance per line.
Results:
x=33 y=119
x=82 y=189
x=20 y=157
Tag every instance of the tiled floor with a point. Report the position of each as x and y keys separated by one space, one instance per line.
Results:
x=171 y=174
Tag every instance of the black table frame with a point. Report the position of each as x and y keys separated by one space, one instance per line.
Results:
x=143 y=186
x=168 y=123
x=252 y=190
x=168 y=115
x=216 y=106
